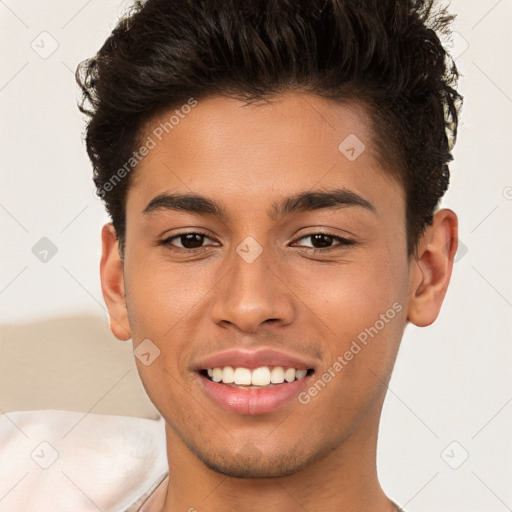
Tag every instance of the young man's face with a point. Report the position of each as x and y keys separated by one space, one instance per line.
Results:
x=261 y=292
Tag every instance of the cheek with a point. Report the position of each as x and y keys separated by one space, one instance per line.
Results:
x=363 y=305
x=161 y=294
x=349 y=297
x=364 y=310
x=163 y=302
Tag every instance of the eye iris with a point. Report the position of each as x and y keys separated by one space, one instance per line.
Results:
x=192 y=240
x=322 y=240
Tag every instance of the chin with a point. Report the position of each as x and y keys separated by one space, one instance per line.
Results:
x=249 y=462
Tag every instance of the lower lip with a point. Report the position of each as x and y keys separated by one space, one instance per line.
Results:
x=252 y=401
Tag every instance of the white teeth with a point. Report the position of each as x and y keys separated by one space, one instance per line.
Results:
x=289 y=375
x=300 y=374
x=228 y=375
x=277 y=375
x=262 y=376
x=217 y=374
x=243 y=376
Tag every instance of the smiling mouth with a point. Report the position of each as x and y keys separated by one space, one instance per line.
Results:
x=256 y=378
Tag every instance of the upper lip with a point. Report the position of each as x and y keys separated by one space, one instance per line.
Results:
x=253 y=359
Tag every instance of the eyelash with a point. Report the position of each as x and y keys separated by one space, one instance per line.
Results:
x=343 y=242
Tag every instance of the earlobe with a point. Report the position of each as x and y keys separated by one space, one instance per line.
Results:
x=112 y=284
x=431 y=271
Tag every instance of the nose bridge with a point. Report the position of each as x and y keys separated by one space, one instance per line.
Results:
x=251 y=292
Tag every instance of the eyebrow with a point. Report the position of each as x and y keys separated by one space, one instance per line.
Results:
x=302 y=202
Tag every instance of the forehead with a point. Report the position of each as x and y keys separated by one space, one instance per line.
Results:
x=254 y=153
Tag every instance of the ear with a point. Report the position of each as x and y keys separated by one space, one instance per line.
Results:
x=112 y=283
x=431 y=269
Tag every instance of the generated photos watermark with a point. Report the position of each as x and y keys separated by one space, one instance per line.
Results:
x=150 y=143
x=356 y=347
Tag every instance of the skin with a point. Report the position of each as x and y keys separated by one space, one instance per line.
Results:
x=321 y=455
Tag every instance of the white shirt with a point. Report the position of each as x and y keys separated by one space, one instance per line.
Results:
x=62 y=460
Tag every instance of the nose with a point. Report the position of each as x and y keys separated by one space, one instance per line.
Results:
x=252 y=294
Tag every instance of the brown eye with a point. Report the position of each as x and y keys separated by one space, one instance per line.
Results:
x=320 y=240
x=324 y=241
x=184 y=241
x=191 y=240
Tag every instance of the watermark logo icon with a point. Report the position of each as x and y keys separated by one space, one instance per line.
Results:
x=352 y=147
x=146 y=352
x=455 y=44
x=462 y=250
x=249 y=249
x=45 y=45
x=44 y=455
x=455 y=455
x=44 y=250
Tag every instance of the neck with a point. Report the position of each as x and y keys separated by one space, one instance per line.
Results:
x=345 y=479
